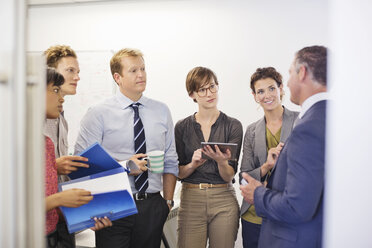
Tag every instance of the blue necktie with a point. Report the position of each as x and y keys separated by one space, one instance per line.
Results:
x=141 y=181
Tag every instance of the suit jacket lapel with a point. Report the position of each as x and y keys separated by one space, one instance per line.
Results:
x=287 y=125
x=260 y=141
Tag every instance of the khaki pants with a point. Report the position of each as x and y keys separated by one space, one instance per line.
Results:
x=208 y=213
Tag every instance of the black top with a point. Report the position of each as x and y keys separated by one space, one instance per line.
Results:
x=189 y=136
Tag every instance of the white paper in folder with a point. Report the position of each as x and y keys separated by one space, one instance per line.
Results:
x=111 y=183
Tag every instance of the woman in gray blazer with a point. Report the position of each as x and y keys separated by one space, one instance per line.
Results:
x=263 y=141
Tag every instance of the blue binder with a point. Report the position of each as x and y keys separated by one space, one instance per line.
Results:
x=99 y=161
x=114 y=204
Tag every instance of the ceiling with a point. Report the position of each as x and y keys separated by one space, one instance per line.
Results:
x=56 y=2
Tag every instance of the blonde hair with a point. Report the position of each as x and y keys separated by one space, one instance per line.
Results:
x=55 y=53
x=115 y=62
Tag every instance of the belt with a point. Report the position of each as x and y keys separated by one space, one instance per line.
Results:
x=204 y=185
x=143 y=196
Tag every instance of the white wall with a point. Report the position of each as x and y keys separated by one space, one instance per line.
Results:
x=233 y=38
x=349 y=170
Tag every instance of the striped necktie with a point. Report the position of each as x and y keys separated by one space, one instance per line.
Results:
x=141 y=181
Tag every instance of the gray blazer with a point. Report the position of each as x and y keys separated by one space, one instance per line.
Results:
x=63 y=131
x=254 y=147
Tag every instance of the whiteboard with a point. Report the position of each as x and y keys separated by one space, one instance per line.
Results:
x=95 y=85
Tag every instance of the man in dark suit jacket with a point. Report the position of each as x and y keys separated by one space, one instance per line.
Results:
x=292 y=203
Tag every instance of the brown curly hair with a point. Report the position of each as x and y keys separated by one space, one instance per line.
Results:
x=55 y=53
x=263 y=73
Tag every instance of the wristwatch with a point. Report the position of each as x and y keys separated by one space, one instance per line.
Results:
x=170 y=203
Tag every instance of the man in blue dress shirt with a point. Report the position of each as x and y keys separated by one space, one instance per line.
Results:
x=110 y=123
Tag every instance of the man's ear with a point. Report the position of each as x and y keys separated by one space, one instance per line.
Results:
x=117 y=77
x=302 y=72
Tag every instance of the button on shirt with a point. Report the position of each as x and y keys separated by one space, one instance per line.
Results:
x=110 y=123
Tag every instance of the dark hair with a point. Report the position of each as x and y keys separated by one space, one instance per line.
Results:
x=54 y=77
x=263 y=73
x=198 y=77
x=315 y=60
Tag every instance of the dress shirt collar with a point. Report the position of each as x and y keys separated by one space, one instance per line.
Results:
x=125 y=102
x=309 y=102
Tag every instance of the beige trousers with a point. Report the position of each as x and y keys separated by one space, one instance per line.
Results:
x=208 y=213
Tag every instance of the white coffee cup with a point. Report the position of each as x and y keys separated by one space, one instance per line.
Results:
x=155 y=161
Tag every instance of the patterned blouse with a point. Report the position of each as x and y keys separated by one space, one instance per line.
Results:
x=51 y=183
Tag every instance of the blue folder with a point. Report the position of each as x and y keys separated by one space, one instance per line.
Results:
x=114 y=205
x=99 y=161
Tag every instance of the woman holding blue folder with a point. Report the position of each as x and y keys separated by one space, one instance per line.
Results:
x=54 y=199
x=208 y=208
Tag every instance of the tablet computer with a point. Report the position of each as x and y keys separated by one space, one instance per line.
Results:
x=223 y=147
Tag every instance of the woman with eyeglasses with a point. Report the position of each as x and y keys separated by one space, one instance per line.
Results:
x=263 y=140
x=208 y=208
